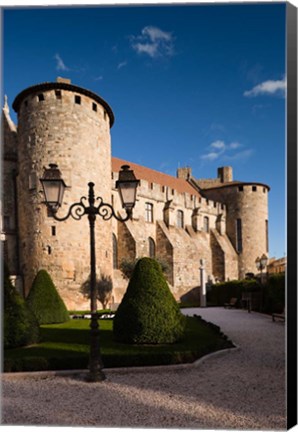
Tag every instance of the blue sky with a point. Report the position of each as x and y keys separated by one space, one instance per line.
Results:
x=190 y=85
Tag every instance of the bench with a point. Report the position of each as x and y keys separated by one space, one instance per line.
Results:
x=280 y=316
x=232 y=303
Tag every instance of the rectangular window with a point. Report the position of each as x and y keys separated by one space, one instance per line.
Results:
x=40 y=97
x=149 y=212
x=58 y=94
x=206 y=224
x=240 y=188
x=254 y=188
x=53 y=230
x=239 y=235
x=94 y=106
x=78 y=99
x=180 y=219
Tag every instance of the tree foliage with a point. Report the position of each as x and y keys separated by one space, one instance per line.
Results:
x=127 y=266
x=148 y=313
x=45 y=301
x=20 y=325
x=104 y=289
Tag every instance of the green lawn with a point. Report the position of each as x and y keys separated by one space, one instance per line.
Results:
x=66 y=346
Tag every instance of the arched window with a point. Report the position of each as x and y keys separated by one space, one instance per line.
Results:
x=180 y=219
x=151 y=247
x=206 y=224
x=115 y=252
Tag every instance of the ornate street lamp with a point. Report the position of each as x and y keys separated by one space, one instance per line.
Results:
x=54 y=187
x=261 y=265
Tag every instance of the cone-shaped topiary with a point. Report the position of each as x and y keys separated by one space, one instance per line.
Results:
x=45 y=301
x=148 y=313
x=20 y=326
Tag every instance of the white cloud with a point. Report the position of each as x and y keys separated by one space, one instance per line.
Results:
x=154 y=42
x=98 y=78
x=60 y=65
x=234 y=145
x=218 y=145
x=122 y=64
x=210 y=156
x=226 y=151
x=243 y=155
x=268 y=88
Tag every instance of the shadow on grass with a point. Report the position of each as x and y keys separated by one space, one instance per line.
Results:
x=66 y=346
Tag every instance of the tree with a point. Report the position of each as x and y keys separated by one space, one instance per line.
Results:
x=20 y=325
x=45 y=301
x=104 y=288
x=148 y=313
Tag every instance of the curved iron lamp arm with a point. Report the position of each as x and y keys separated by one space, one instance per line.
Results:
x=79 y=209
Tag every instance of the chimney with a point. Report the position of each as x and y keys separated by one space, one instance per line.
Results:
x=225 y=174
x=184 y=173
x=63 y=80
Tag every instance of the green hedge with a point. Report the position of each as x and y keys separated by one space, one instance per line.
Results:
x=221 y=293
x=274 y=293
x=270 y=297
x=148 y=313
x=20 y=326
x=45 y=301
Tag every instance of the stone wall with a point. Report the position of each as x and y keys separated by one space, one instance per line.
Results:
x=54 y=128
x=248 y=203
x=63 y=124
x=9 y=171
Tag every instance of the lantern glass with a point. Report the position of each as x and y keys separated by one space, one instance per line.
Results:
x=127 y=186
x=258 y=263
x=53 y=187
x=263 y=261
x=127 y=191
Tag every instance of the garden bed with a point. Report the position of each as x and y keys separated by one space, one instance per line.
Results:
x=66 y=347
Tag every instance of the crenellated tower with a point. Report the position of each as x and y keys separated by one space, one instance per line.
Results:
x=247 y=216
x=70 y=126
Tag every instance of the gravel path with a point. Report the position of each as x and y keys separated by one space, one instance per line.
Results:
x=242 y=388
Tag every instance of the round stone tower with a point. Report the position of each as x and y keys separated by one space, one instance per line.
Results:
x=246 y=220
x=69 y=126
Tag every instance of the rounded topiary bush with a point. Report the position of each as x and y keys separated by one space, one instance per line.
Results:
x=20 y=326
x=45 y=301
x=148 y=313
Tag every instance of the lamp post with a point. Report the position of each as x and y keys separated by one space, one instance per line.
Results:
x=54 y=187
x=261 y=265
x=203 y=283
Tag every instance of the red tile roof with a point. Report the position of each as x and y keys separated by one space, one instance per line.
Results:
x=143 y=173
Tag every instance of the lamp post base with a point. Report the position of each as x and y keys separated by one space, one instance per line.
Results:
x=95 y=362
x=96 y=376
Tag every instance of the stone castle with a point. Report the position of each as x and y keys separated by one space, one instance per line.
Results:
x=180 y=220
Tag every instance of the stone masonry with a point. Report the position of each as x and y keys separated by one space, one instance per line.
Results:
x=180 y=220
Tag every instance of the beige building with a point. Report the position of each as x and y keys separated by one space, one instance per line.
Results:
x=181 y=220
x=278 y=265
